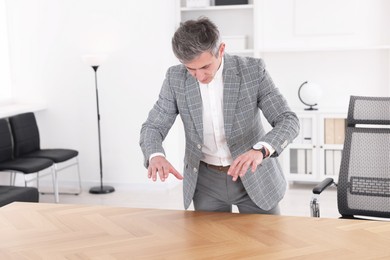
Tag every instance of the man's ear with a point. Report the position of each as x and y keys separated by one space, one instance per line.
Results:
x=222 y=49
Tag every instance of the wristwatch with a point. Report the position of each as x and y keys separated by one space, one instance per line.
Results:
x=261 y=148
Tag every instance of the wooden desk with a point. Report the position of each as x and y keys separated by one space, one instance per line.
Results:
x=55 y=231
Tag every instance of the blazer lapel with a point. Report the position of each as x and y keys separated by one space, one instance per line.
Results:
x=194 y=101
x=231 y=83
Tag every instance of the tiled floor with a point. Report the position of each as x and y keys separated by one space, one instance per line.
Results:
x=169 y=196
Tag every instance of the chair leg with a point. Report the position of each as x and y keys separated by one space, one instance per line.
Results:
x=315 y=207
x=55 y=184
x=78 y=176
x=55 y=180
x=78 y=173
x=26 y=181
x=38 y=180
x=57 y=196
x=12 y=178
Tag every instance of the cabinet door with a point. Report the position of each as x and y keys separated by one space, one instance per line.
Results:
x=300 y=158
x=332 y=134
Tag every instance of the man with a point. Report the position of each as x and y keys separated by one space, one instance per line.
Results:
x=229 y=158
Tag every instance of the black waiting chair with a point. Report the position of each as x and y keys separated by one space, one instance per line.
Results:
x=9 y=194
x=26 y=166
x=363 y=188
x=27 y=145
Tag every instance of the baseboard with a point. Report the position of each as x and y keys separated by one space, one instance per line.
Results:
x=66 y=185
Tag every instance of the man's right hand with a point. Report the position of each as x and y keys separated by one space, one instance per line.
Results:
x=160 y=165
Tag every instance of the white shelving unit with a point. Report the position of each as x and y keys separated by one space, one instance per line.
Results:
x=236 y=24
x=300 y=25
x=342 y=45
x=316 y=153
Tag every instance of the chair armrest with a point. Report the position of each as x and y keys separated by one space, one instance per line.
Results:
x=323 y=185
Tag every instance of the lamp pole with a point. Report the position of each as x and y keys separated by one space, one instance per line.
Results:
x=102 y=189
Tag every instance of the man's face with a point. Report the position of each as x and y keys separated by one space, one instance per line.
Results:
x=204 y=67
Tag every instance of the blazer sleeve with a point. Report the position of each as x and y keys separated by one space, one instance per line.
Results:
x=159 y=121
x=284 y=122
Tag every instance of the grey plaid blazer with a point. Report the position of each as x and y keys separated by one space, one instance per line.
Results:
x=247 y=89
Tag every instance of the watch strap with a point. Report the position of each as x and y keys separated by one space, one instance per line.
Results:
x=262 y=150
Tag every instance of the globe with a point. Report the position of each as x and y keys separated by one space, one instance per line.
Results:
x=309 y=94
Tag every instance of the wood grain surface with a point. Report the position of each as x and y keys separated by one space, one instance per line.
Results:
x=63 y=231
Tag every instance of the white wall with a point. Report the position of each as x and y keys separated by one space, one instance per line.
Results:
x=341 y=45
x=5 y=80
x=339 y=73
x=48 y=37
x=47 y=40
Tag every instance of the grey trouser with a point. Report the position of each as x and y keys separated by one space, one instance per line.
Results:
x=215 y=191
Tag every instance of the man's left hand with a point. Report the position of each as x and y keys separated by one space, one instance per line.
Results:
x=241 y=164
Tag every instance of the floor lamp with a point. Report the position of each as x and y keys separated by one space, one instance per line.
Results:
x=94 y=61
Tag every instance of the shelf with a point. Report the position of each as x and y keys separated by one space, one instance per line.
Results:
x=302 y=178
x=324 y=49
x=313 y=160
x=332 y=147
x=217 y=8
x=12 y=108
x=300 y=146
x=232 y=32
x=247 y=51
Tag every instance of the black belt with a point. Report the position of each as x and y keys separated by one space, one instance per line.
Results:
x=217 y=167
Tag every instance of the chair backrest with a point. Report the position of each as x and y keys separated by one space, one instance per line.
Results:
x=364 y=179
x=25 y=133
x=5 y=141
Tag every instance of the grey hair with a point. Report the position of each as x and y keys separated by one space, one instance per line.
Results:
x=194 y=37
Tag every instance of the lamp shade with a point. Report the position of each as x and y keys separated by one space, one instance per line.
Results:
x=94 y=59
x=310 y=93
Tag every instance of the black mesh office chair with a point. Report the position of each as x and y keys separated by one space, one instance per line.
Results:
x=27 y=145
x=363 y=187
x=27 y=166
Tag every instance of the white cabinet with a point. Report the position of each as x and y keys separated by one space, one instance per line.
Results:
x=236 y=23
x=316 y=153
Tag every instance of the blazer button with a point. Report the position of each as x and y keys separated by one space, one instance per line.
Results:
x=195 y=170
x=199 y=146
